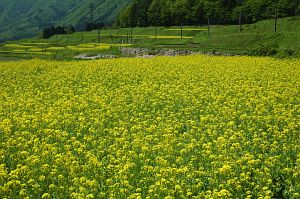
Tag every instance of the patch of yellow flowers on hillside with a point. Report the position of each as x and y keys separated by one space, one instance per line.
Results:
x=181 y=127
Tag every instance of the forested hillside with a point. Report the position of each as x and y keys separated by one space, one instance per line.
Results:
x=25 y=18
x=103 y=11
x=197 y=12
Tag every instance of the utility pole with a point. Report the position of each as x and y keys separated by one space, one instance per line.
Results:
x=181 y=29
x=181 y=13
x=240 y=16
x=156 y=24
x=208 y=26
x=119 y=38
x=111 y=37
x=131 y=32
x=240 y=22
x=276 y=15
x=99 y=34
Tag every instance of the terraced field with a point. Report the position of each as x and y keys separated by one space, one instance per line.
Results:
x=50 y=49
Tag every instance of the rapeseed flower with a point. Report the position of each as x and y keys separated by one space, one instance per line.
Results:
x=167 y=127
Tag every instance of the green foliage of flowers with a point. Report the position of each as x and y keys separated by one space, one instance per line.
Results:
x=165 y=127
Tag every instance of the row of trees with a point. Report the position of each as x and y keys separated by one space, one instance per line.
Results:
x=53 y=30
x=197 y=12
x=93 y=26
x=88 y=26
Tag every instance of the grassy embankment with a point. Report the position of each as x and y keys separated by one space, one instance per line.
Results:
x=254 y=39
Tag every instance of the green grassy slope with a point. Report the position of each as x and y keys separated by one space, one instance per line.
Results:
x=255 y=39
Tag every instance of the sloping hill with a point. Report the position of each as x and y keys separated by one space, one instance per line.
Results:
x=257 y=39
x=24 y=18
x=104 y=11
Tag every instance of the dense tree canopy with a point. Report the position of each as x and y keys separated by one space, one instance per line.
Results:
x=196 y=12
x=52 y=30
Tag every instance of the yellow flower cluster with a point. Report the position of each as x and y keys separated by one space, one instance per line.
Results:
x=170 y=37
x=157 y=36
x=187 y=29
x=18 y=46
x=165 y=127
x=95 y=46
x=41 y=49
x=25 y=48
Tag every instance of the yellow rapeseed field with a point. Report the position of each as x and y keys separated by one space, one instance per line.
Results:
x=165 y=127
